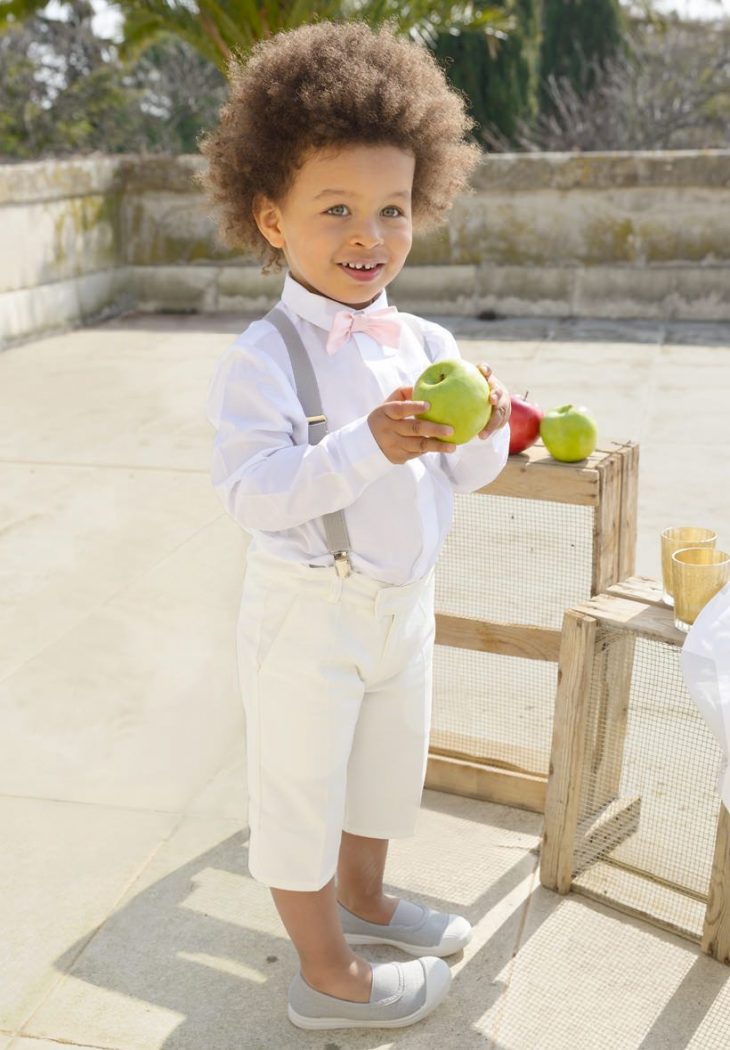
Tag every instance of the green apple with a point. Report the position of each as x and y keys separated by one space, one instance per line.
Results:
x=459 y=396
x=569 y=433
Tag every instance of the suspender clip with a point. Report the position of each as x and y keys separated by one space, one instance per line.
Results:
x=343 y=564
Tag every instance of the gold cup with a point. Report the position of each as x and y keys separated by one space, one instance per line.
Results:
x=698 y=573
x=675 y=539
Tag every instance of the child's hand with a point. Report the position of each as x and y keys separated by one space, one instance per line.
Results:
x=402 y=437
x=501 y=404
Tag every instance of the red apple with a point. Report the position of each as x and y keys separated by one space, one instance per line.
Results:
x=524 y=423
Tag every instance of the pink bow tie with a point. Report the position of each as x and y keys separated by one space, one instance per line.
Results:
x=382 y=325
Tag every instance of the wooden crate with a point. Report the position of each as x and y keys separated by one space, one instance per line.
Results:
x=605 y=484
x=593 y=812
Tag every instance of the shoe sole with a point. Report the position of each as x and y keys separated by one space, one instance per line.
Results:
x=440 y=950
x=434 y=997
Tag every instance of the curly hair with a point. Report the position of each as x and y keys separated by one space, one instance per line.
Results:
x=332 y=85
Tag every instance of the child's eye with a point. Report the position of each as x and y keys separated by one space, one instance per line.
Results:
x=390 y=207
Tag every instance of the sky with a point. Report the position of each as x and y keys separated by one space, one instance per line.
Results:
x=107 y=19
x=695 y=8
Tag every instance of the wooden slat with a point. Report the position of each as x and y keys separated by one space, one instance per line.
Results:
x=629 y=509
x=613 y=666
x=507 y=639
x=488 y=783
x=716 y=932
x=534 y=474
x=607 y=525
x=639 y=589
x=567 y=751
x=530 y=760
x=625 y=614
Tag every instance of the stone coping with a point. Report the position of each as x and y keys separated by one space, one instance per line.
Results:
x=56 y=178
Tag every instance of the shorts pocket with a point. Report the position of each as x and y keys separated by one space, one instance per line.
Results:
x=279 y=612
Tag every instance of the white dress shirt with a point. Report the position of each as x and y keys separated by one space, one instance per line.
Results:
x=705 y=662
x=277 y=486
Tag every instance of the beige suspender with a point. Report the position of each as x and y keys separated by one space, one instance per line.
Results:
x=335 y=527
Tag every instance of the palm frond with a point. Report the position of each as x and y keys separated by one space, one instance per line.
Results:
x=143 y=27
x=218 y=29
x=235 y=18
x=226 y=32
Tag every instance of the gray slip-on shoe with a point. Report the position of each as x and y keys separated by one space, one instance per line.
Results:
x=413 y=928
x=402 y=993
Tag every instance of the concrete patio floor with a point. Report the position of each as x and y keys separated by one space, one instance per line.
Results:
x=128 y=917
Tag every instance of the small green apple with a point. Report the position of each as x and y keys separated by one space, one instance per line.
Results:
x=569 y=433
x=459 y=396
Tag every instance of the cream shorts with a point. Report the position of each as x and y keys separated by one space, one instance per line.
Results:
x=336 y=678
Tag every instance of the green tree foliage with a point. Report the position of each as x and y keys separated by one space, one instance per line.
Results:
x=501 y=81
x=669 y=88
x=58 y=94
x=578 y=36
x=218 y=29
x=181 y=93
x=166 y=79
x=62 y=91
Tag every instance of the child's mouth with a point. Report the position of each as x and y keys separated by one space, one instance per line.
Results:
x=362 y=275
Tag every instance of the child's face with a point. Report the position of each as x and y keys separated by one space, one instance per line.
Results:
x=367 y=220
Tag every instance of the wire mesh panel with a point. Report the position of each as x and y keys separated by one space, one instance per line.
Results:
x=492 y=707
x=633 y=816
x=669 y=763
x=519 y=553
x=510 y=560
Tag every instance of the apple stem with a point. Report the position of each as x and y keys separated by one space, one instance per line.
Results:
x=525 y=397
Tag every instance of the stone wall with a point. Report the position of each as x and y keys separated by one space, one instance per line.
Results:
x=637 y=235
x=61 y=257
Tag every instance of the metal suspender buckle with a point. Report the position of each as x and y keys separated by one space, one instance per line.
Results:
x=343 y=564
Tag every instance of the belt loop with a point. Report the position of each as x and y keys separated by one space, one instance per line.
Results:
x=335 y=588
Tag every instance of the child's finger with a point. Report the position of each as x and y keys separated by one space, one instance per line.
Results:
x=401 y=409
x=402 y=393
x=422 y=428
x=496 y=420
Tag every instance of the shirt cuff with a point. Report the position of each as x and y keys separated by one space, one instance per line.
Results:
x=362 y=450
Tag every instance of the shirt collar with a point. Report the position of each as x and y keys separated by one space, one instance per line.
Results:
x=318 y=309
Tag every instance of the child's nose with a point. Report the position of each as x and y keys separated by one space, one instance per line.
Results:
x=367 y=243
x=367 y=234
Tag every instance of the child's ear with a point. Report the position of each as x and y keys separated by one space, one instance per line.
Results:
x=266 y=214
